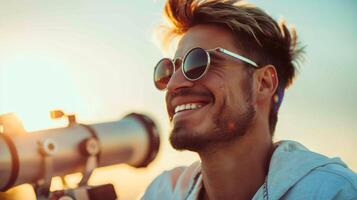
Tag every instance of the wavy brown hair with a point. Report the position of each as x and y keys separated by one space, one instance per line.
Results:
x=257 y=35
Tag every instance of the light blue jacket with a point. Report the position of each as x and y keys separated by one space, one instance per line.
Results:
x=295 y=173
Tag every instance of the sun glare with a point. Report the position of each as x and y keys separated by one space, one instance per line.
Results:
x=34 y=85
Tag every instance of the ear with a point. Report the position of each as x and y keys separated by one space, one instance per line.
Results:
x=267 y=78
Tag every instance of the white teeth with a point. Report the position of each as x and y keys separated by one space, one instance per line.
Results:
x=189 y=106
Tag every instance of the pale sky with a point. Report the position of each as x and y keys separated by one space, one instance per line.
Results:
x=95 y=59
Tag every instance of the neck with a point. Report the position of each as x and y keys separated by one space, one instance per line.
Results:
x=236 y=170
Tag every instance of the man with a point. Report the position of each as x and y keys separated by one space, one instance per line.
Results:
x=223 y=90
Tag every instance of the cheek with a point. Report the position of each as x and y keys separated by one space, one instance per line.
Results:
x=227 y=90
x=235 y=96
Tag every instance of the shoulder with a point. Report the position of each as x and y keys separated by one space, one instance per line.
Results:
x=331 y=181
x=171 y=183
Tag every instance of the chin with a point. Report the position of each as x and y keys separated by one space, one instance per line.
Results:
x=207 y=134
x=184 y=137
x=196 y=139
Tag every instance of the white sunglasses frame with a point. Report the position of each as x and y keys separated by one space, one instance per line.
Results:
x=217 y=49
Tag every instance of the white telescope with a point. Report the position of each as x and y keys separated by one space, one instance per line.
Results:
x=30 y=157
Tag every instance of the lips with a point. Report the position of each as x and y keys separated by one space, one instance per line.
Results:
x=189 y=106
x=187 y=109
x=187 y=100
x=186 y=104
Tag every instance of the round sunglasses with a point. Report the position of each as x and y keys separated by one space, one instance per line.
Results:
x=194 y=65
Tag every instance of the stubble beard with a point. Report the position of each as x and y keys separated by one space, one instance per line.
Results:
x=228 y=126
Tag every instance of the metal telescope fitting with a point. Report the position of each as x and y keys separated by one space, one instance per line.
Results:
x=38 y=156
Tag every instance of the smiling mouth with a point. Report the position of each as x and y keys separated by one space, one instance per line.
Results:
x=188 y=107
x=187 y=101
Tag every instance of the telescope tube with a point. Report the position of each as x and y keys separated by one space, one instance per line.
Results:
x=133 y=140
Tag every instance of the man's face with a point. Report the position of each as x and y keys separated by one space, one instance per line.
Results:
x=223 y=94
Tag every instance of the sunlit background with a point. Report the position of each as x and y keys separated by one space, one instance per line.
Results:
x=95 y=59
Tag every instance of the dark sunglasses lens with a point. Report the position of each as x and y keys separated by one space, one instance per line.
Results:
x=163 y=72
x=195 y=63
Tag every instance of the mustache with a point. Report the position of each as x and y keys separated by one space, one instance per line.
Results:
x=183 y=92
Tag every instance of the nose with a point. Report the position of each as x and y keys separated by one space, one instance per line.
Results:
x=178 y=80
